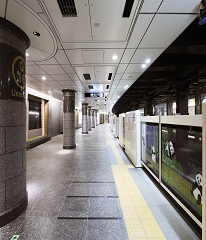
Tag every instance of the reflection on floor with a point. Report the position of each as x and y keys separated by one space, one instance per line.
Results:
x=92 y=193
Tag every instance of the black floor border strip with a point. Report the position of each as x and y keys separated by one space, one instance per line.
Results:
x=91 y=218
x=93 y=196
x=90 y=182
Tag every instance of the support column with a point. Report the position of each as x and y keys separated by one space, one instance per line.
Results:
x=92 y=118
x=182 y=100
x=13 y=193
x=69 y=119
x=89 y=118
x=197 y=100
x=169 y=106
x=84 y=118
x=95 y=117
x=148 y=109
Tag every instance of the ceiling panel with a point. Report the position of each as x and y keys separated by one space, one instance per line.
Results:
x=134 y=68
x=127 y=55
x=102 y=73
x=176 y=6
x=150 y=6
x=2 y=8
x=73 y=76
x=61 y=57
x=30 y=78
x=68 y=68
x=46 y=42
x=156 y=37
x=75 y=56
x=85 y=70
x=109 y=53
x=34 y=5
x=94 y=45
x=66 y=83
x=36 y=54
x=118 y=76
x=39 y=77
x=50 y=61
x=93 y=56
x=142 y=54
x=127 y=82
x=131 y=76
x=63 y=77
x=53 y=69
x=52 y=83
x=71 y=28
x=33 y=69
x=140 y=28
x=121 y=68
x=103 y=27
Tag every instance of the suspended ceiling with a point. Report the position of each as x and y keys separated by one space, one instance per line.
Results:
x=69 y=47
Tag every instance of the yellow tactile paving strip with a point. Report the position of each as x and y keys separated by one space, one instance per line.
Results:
x=139 y=220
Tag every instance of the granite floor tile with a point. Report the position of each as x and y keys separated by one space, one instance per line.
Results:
x=106 y=230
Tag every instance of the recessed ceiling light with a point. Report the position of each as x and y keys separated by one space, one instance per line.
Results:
x=43 y=78
x=117 y=96
x=126 y=87
x=147 y=60
x=27 y=54
x=143 y=66
x=36 y=34
x=114 y=57
x=49 y=91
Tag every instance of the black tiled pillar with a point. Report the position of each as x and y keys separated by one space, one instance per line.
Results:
x=182 y=100
x=84 y=118
x=69 y=119
x=13 y=193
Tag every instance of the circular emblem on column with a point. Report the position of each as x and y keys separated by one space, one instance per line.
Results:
x=18 y=72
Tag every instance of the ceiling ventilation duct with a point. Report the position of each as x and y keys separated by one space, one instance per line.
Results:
x=67 y=8
x=128 y=8
x=90 y=86
x=110 y=76
x=87 y=76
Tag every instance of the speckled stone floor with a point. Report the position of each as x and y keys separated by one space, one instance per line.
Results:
x=73 y=194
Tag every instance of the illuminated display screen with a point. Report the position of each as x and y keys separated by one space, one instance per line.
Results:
x=94 y=95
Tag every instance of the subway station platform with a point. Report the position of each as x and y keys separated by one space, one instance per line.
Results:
x=92 y=192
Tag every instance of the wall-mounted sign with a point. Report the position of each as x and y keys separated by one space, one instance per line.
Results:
x=12 y=74
x=94 y=95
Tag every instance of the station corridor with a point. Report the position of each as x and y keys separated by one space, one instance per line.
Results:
x=92 y=192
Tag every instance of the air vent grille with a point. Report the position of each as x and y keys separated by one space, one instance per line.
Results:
x=67 y=8
x=90 y=86
x=87 y=76
x=110 y=76
x=127 y=8
x=107 y=87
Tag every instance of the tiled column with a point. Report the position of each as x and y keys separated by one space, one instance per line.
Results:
x=95 y=116
x=13 y=194
x=92 y=118
x=89 y=118
x=69 y=119
x=84 y=118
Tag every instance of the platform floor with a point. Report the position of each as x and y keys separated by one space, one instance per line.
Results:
x=92 y=192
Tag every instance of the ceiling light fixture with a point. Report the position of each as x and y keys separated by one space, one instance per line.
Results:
x=36 y=34
x=114 y=57
x=147 y=60
x=27 y=54
x=143 y=66
x=49 y=91
x=117 y=96
x=43 y=78
x=126 y=87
